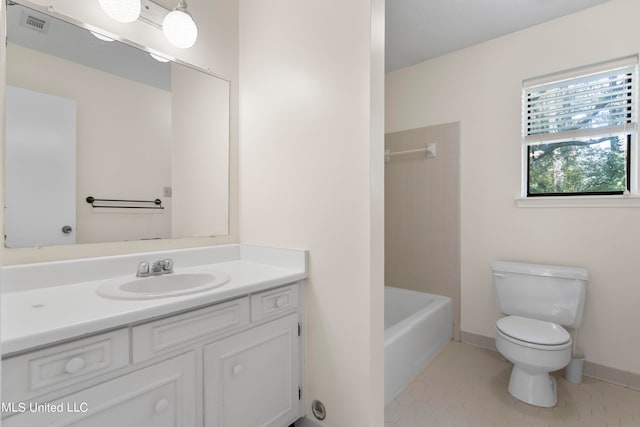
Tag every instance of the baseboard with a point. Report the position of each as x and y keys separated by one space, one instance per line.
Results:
x=591 y=369
x=478 y=340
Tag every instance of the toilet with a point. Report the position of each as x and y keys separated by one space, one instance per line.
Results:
x=541 y=303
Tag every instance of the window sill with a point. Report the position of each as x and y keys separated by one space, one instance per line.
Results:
x=630 y=201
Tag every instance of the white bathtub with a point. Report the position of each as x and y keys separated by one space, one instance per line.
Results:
x=417 y=326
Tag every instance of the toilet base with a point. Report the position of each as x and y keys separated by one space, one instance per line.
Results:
x=538 y=389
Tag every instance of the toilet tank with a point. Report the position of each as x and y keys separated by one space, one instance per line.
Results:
x=546 y=292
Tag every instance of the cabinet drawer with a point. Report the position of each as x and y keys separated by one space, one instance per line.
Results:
x=160 y=395
x=173 y=332
x=274 y=302
x=41 y=371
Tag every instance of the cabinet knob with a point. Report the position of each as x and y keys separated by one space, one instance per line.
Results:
x=161 y=405
x=281 y=302
x=74 y=365
x=237 y=369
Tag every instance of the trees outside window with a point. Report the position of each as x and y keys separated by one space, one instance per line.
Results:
x=588 y=166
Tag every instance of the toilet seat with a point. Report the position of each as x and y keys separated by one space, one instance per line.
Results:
x=533 y=333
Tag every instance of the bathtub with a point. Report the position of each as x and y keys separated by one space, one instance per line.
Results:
x=417 y=326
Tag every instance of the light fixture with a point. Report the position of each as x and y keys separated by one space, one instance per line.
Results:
x=179 y=28
x=178 y=25
x=121 y=10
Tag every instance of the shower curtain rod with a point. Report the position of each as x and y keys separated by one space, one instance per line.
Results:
x=429 y=150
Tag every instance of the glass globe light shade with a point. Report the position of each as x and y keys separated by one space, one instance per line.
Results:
x=121 y=10
x=180 y=29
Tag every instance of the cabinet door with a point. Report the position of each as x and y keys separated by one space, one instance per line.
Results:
x=252 y=379
x=161 y=395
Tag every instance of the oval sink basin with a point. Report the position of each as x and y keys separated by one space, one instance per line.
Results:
x=168 y=285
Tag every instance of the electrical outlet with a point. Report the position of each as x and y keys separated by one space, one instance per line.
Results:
x=167 y=191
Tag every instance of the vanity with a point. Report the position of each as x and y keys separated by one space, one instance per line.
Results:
x=125 y=148
x=229 y=355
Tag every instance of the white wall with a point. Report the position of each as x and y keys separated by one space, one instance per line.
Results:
x=216 y=50
x=200 y=166
x=311 y=157
x=480 y=86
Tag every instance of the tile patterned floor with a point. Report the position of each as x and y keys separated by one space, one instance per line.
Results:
x=466 y=386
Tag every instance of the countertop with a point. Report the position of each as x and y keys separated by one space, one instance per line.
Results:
x=43 y=316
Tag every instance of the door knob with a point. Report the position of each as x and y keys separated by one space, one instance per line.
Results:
x=67 y=229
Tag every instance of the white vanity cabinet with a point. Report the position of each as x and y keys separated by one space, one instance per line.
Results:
x=253 y=378
x=160 y=395
x=236 y=363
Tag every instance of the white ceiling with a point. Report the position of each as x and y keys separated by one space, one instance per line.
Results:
x=417 y=30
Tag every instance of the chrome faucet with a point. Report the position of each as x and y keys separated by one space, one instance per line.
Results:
x=163 y=266
x=143 y=269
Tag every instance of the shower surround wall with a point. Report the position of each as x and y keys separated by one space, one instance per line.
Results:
x=422 y=220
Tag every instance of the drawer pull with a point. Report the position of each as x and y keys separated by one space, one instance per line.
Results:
x=161 y=405
x=280 y=302
x=237 y=370
x=74 y=365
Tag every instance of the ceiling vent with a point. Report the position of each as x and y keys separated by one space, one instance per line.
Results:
x=37 y=23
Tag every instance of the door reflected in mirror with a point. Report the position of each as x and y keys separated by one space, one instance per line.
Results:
x=88 y=117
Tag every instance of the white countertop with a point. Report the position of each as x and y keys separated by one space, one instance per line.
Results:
x=45 y=315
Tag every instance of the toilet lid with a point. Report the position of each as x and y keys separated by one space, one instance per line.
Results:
x=533 y=331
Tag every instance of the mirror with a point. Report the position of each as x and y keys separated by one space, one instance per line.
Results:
x=86 y=117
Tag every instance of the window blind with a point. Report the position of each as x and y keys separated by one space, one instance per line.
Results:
x=599 y=103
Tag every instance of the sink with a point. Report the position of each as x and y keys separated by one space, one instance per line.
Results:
x=163 y=286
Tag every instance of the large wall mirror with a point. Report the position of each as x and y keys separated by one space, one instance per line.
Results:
x=89 y=117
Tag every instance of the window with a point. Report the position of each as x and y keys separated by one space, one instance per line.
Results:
x=579 y=131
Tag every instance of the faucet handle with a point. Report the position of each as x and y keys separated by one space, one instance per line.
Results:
x=167 y=265
x=143 y=269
